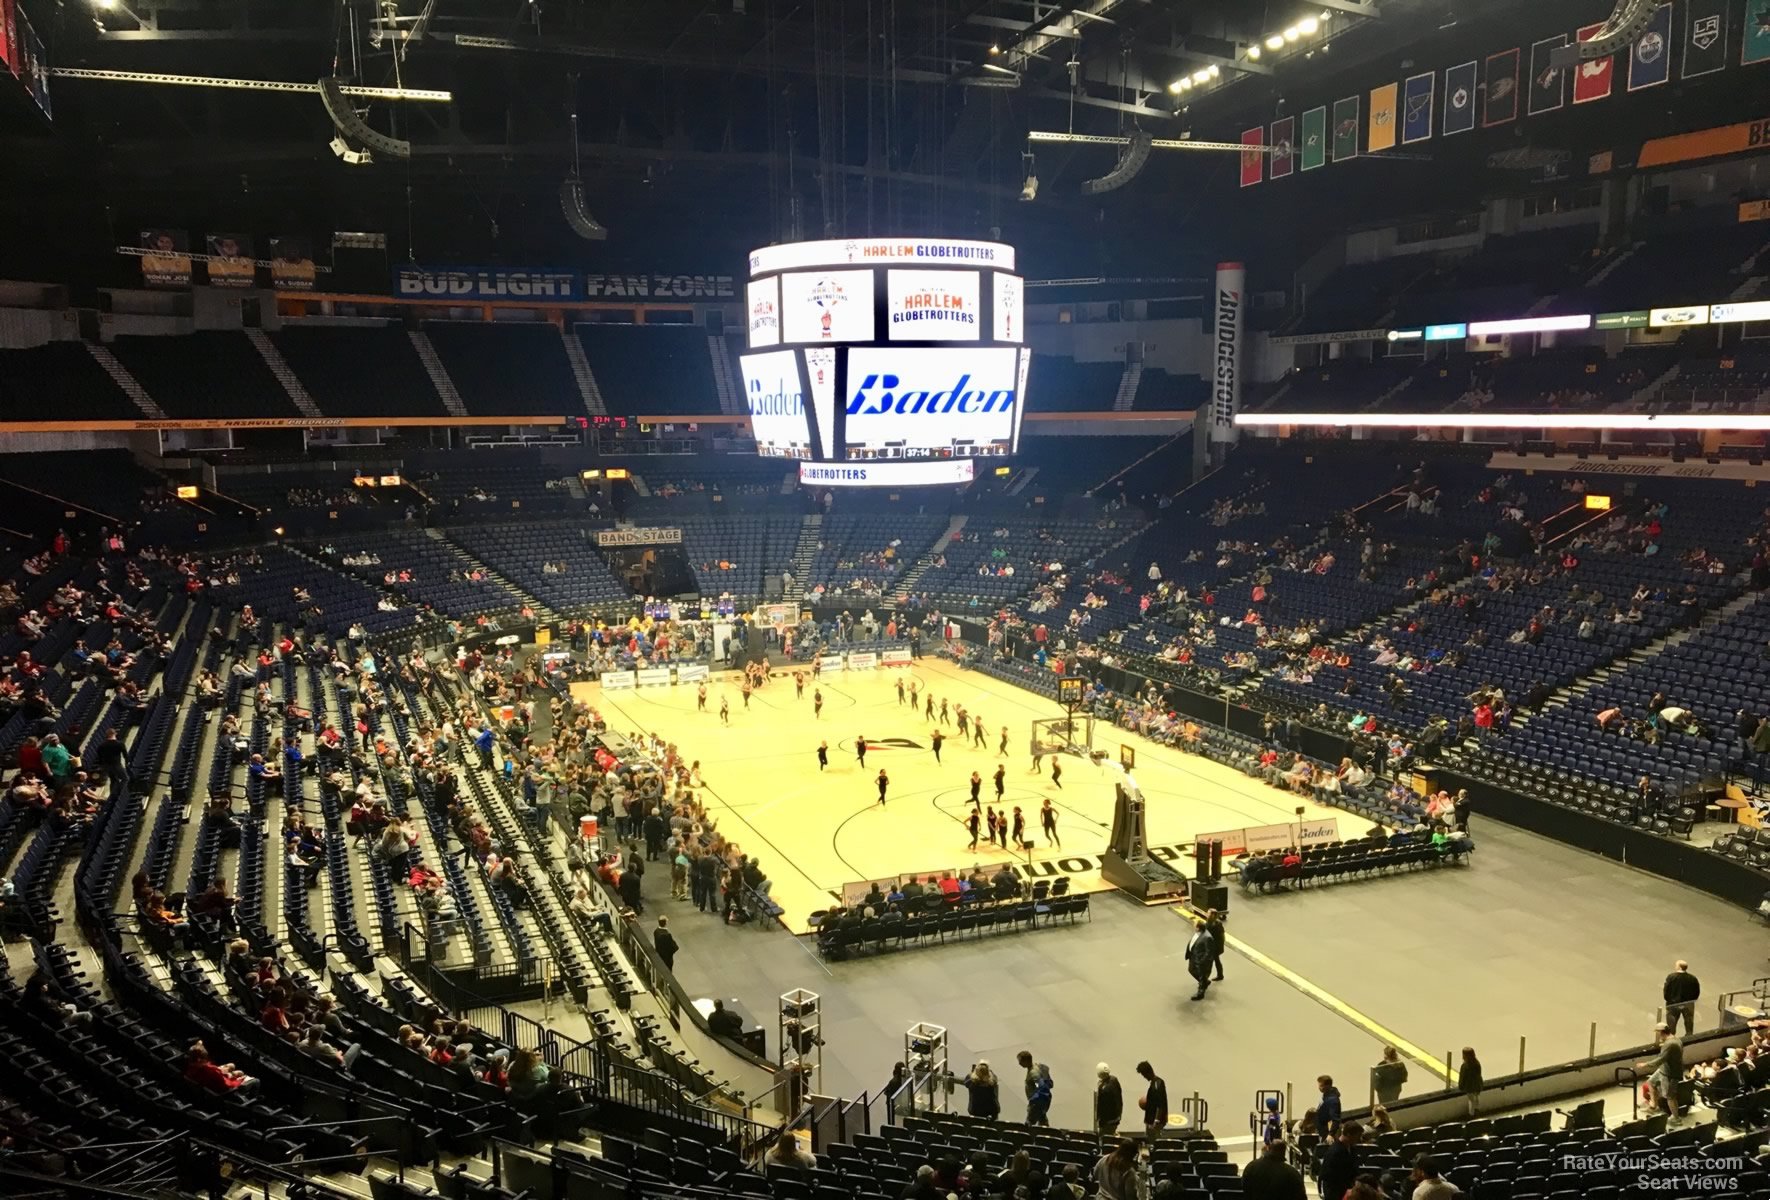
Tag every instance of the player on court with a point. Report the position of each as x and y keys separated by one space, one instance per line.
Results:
x=934 y=740
x=943 y=717
x=900 y=691
x=884 y=782
x=860 y=750
x=972 y=824
x=1048 y=818
x=1038 y=749
x=977 y=730
x=1000 y=777
x=823 y=755
x=976 y=786
x=1057 y=771
x=817 y=667
x=1002 y=750
x=928 y=714
x=912 y=693
x=817 y=703
x=798 y=685
x=1019 y=830
x=964 y=721
x=746 y=691
x=700 y=698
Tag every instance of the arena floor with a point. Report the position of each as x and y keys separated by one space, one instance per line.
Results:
x=814 y=831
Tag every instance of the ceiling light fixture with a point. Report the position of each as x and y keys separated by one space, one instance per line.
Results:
x=1254 y=51
x=1307 y=26
x=1292 y=34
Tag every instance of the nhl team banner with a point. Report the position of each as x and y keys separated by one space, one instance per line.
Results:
x=291 y=264
x=1382 y=118
x=486 y=283
x=1345 y=128
x=166 y=258
x=1283 y=147
x=1501 y=105
x=1459 y=98
x=1314 y=138
x=1650 y=58
x=1548 y=82
x=1592 y=78
x=1253 y=162
x=1754 y=46
x=1705 y=37
x=1416 y=108
x=230 y=260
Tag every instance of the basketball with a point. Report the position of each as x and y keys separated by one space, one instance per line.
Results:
x=1142 y=1102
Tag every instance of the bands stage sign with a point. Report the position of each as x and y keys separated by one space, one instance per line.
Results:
x=639 y=536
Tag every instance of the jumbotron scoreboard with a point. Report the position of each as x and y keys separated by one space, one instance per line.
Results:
x=886 y=361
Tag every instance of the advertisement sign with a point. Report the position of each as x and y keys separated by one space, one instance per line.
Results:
x=829 y=662
x=1705 y=143
x=167 y=261
x=659 y=285
x=1010 y=311
x=928 y=252
x=862 y=660
x=1754 y=210
x=639 y=535
x=929 y=402
x=1447 y=333
x=764 y=302
x=291 y=264
x=1530 y=325
x=1226 y=374
x=230 y=261
x=820 y=369
x=1741 y=310
x=652 y=676
x=615 y=681
x=827 y=306
x=1323 y=339
x=932 y=306
x=776 y=404
x=895 y=657
x=486 y=283
x=1324 y=831
x=692 y=672
x=952 y=472
x=1634 y=319
x=1683 y=314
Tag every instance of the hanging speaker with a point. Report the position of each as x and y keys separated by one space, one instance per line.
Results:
x=571 y=202
x=345 y=117
x=1620 y=29
x=1136 y=153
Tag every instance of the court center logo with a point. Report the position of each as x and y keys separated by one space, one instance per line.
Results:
x=892 y=743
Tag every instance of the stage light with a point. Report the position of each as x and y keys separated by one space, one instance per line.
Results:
x=1275 y=42
x=1179 y=85
x=1307 y=26
x=186 y=492
x=995 y=49
x=107 y=5
x=1029 y=189
x=1213 y=72
x=1292 y=34
x=278 y=531
x=1200 y=75
x=355 y=158
x=1254 y=51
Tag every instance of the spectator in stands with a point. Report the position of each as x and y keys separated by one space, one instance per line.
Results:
x=222 y=1078
x=56 y=759
x=1428 y=1183
x=722 y=1022
x=1389 y=1076
x=1116 y=1176
x=1680 y=993
x=1270 y=1177
x=1469 y=1079
x=665 y=943
x=1109 y=1102
x=1327 y=1109
x=786 y=1152
x=1340 y=1162
x=984 y=1091
x=1667 y=1070
x=1154 y=1102
x=1039 y=1086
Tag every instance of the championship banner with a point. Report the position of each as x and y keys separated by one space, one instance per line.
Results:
x=862 y=660
x=291 y=264
x=639 y=536
x=167 y=262
x=659 y=285
x=230 y=261
x=1345 y=128
x=1591 y=79
x=1650 y=59
x=616 y=681
x=692 y=672
x=1381 y=134
x=1314 y=138
x=1416 y=108
x=486 y=283
x=895 y=658
x=1253 y=162
x=830 y=662
x=1459 y=98
x=1283 y=147
x=1502 y=89
x=1548 y=82
x=652 y=676
x=1754 y=45
x=1705 y=37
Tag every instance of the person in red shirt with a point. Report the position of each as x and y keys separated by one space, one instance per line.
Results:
x=30 y=759
x=1484 y=716
x=216 y=1077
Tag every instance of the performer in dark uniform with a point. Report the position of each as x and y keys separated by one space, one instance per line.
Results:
x=972 y=823
x=976 y=787
x=823 y=755
x=860 y=750
x=884 y=782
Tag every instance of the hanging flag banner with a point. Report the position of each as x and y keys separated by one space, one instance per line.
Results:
x=1283 y=143
x=291 y=264
x=1459 y=98
x=1548 y=82
x=1502 y=89
x=1650 y=59
x=1382 y=118
x=1591 y=79
x=1253 y=162
x=1314 y=138
x=230 y=261
x=1754 y=45
x=1705 y=37
x=1416 y=108
x=1346 y=128
x=8 y=40
x=167 y=261
x=36 y=57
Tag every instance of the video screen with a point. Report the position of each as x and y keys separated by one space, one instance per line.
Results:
x=827 y=306
x=932 y=306
x=931 y=402
x=777 y=404
x=765 y=313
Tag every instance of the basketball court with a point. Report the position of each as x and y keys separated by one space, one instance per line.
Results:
x=816 y=831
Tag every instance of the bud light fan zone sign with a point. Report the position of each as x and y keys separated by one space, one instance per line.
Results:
x=776 y=403
x=487 y=283
x=931 y=402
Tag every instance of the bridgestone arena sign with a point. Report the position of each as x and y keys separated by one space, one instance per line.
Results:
x=1226 y=377
x=647 y=536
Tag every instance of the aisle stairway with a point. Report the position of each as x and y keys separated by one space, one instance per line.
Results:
x=279 y=366
x=588 y=389
x=542 y=612
x=810 y=529
x=439 y=375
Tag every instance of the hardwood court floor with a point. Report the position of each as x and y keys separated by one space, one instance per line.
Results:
x=816 y=831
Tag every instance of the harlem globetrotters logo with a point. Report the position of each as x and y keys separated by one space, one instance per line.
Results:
x=828 y=295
